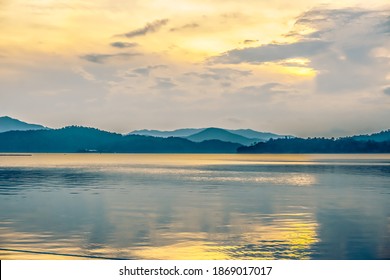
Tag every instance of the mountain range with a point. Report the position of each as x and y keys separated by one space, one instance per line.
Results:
x=8 y=124
x=240 y=136
x=187 y=132
x=378 y=137
x=21 y=137
x=75 y=139
x=344 y=145
x=223 y=135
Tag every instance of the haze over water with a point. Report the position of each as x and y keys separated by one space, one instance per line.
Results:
x=162 y=206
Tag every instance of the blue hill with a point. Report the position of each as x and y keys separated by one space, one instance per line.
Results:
x=9 y=124
x=222 y=135
x=75 y=139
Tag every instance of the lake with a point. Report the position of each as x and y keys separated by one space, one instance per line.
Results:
x=191 y=206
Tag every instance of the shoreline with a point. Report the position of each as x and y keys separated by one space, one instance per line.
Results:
x=15 y=155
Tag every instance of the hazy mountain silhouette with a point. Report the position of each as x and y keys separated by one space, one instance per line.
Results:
x=149 y=144
x=378 y=137
x=68 y=139
x=22 y=137
x=82 y=139
x=317 y=145
x=9 y=124
x=184 y=132
x=222 y=135
x=254 y=136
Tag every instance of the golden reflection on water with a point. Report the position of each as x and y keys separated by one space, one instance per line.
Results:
x=287 y=237
x=34 y=256
x=293 y=179
x=41 y=245
x=64 y=160
x=177 y=212
x=185 y=250
x=15 y=245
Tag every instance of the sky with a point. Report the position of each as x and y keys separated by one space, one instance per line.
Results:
x=299 y=67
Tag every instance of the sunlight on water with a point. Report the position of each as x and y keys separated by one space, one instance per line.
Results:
x=135 y=206
x=286 y=238
x=59 y=160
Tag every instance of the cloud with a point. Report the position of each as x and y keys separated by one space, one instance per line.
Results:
x=301 y=62
x=385 y=26
x=123 y=45
x=350 y=65
x=387 y=91
x=250 y=41
x=148 y=28
x=102 y=58
x=145 y=71
x=230 y=73
x=83 y=73
x=220 y=74
x=331 y=17
x=186 y=26
x=334 y=31
x=264 y=89
x=203 y=75
x=271 y=52
x=164 y=83
x=329 y=41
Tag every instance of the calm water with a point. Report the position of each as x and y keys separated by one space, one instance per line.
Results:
x=55 y=206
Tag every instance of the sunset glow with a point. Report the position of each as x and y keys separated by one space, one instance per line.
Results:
x=128 y=65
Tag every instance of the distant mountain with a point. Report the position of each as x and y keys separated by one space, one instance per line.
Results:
x=75 y=139
x=8 y=124
x=378 y=137
x=222 y=135
x=252 y=134
x=149 y=144
x=316 y=145
x=184 y=132
x=68 y=139
x=21 y=137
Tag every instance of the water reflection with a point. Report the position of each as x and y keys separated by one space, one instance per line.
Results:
x=284 y=238
x=178 y=209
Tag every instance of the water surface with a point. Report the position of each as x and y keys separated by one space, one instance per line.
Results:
x=161 y=206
